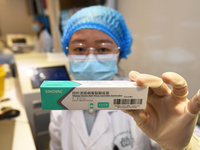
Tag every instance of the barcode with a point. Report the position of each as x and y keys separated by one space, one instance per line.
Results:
x=127 y=101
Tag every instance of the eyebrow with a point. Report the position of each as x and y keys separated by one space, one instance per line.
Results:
x=104 y=41
x=97 y=41
x=78 y=41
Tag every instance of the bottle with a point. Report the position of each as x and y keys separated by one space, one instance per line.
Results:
x=7 y=80
x=2 y=80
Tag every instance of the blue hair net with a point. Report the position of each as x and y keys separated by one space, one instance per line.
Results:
x=101 y=18
x=42 y=19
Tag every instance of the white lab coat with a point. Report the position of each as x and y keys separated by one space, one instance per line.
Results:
x=44 y=43
x=112 y=127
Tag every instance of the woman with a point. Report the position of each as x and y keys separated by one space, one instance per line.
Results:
x=95 y=39
x=44 y=42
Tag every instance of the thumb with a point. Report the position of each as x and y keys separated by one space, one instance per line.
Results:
x=194 y=104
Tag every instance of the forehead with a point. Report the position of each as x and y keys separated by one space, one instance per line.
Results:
x=90 y=36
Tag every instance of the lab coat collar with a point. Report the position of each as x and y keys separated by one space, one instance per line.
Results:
x=100 y=126
x=78 y=121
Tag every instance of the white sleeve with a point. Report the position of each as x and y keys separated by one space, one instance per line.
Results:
x=46 y=43
x=54 y=130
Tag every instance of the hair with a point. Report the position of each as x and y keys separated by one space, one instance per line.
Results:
x=101 y=18
x=43 y=19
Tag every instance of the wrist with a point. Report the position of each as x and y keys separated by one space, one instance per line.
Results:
x=194 y=144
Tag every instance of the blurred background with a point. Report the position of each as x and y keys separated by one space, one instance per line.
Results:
x=166 y=37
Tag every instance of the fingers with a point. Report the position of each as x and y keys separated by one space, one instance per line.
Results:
x=179 y=84
x=194 y=104
x=180 y=89
x=155 y=83
x=145 y=80
x=133 y=75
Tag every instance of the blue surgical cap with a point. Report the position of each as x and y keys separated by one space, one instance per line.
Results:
x=101 y=18
x=42 y=19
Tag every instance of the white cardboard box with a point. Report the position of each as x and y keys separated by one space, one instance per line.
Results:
x=84 y=95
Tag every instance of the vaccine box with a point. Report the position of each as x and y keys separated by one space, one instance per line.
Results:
x=92 y=95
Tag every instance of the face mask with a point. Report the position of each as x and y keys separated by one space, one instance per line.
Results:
x=36 y=27
x=92 y=69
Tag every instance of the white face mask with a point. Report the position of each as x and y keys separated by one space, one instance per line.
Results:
x=36 y=27
x=92 y=69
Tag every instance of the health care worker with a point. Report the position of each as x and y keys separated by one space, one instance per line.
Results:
x=95 y=39
x=44 y=41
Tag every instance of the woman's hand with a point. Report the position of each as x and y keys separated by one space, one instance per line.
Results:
x=169 y=117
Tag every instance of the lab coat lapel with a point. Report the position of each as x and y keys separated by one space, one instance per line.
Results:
x=78 y=121
x=100 y=126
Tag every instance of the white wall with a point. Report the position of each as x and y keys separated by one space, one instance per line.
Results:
x=166 y=35
x=166 y=38
x=14 y=17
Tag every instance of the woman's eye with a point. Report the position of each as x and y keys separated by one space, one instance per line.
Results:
x=80 y=49
x=103 y=50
